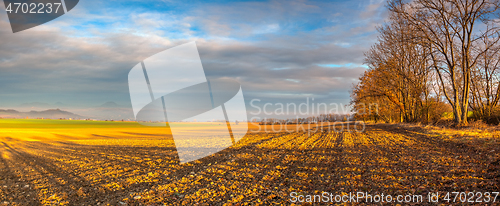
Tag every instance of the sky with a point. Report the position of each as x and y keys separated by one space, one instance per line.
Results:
x=281 y=51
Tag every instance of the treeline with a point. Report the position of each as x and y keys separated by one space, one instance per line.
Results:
x=433 y=57
x=307 y=120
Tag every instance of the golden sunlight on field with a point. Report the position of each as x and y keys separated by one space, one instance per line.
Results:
x=132 y=166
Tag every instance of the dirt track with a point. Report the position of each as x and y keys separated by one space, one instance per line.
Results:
x=262 y=168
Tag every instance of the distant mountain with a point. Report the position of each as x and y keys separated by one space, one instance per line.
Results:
x=47 y=114
x=110 y=105
x=107 y=111
x=40 y=106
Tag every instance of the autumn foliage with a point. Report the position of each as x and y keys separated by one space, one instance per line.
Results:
x=432 y=57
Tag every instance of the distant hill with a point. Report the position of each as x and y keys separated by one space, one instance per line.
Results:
x=47 y=114
x=108 y=111
x=39 y=106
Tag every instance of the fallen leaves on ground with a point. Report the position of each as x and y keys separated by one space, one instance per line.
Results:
x=262 y=169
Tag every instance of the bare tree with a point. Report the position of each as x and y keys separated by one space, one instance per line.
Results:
x=399 y=74
x=486 y=79
x=453 y=30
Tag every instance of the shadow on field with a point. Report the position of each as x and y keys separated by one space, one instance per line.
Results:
x=264 y=167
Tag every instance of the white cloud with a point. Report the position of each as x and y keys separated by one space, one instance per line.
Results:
x=76 y=61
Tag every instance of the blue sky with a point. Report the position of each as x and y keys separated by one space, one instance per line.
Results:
x=280 y=51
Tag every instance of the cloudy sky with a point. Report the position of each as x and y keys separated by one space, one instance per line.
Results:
x=279 y=50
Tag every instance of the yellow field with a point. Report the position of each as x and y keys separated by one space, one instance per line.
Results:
x=131 y=165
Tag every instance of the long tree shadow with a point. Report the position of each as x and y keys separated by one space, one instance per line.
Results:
x=59 y=164
x=86 y=173
x=465 y=161
x=424 y=136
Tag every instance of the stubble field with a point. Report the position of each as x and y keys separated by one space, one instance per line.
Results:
x=46 y=162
